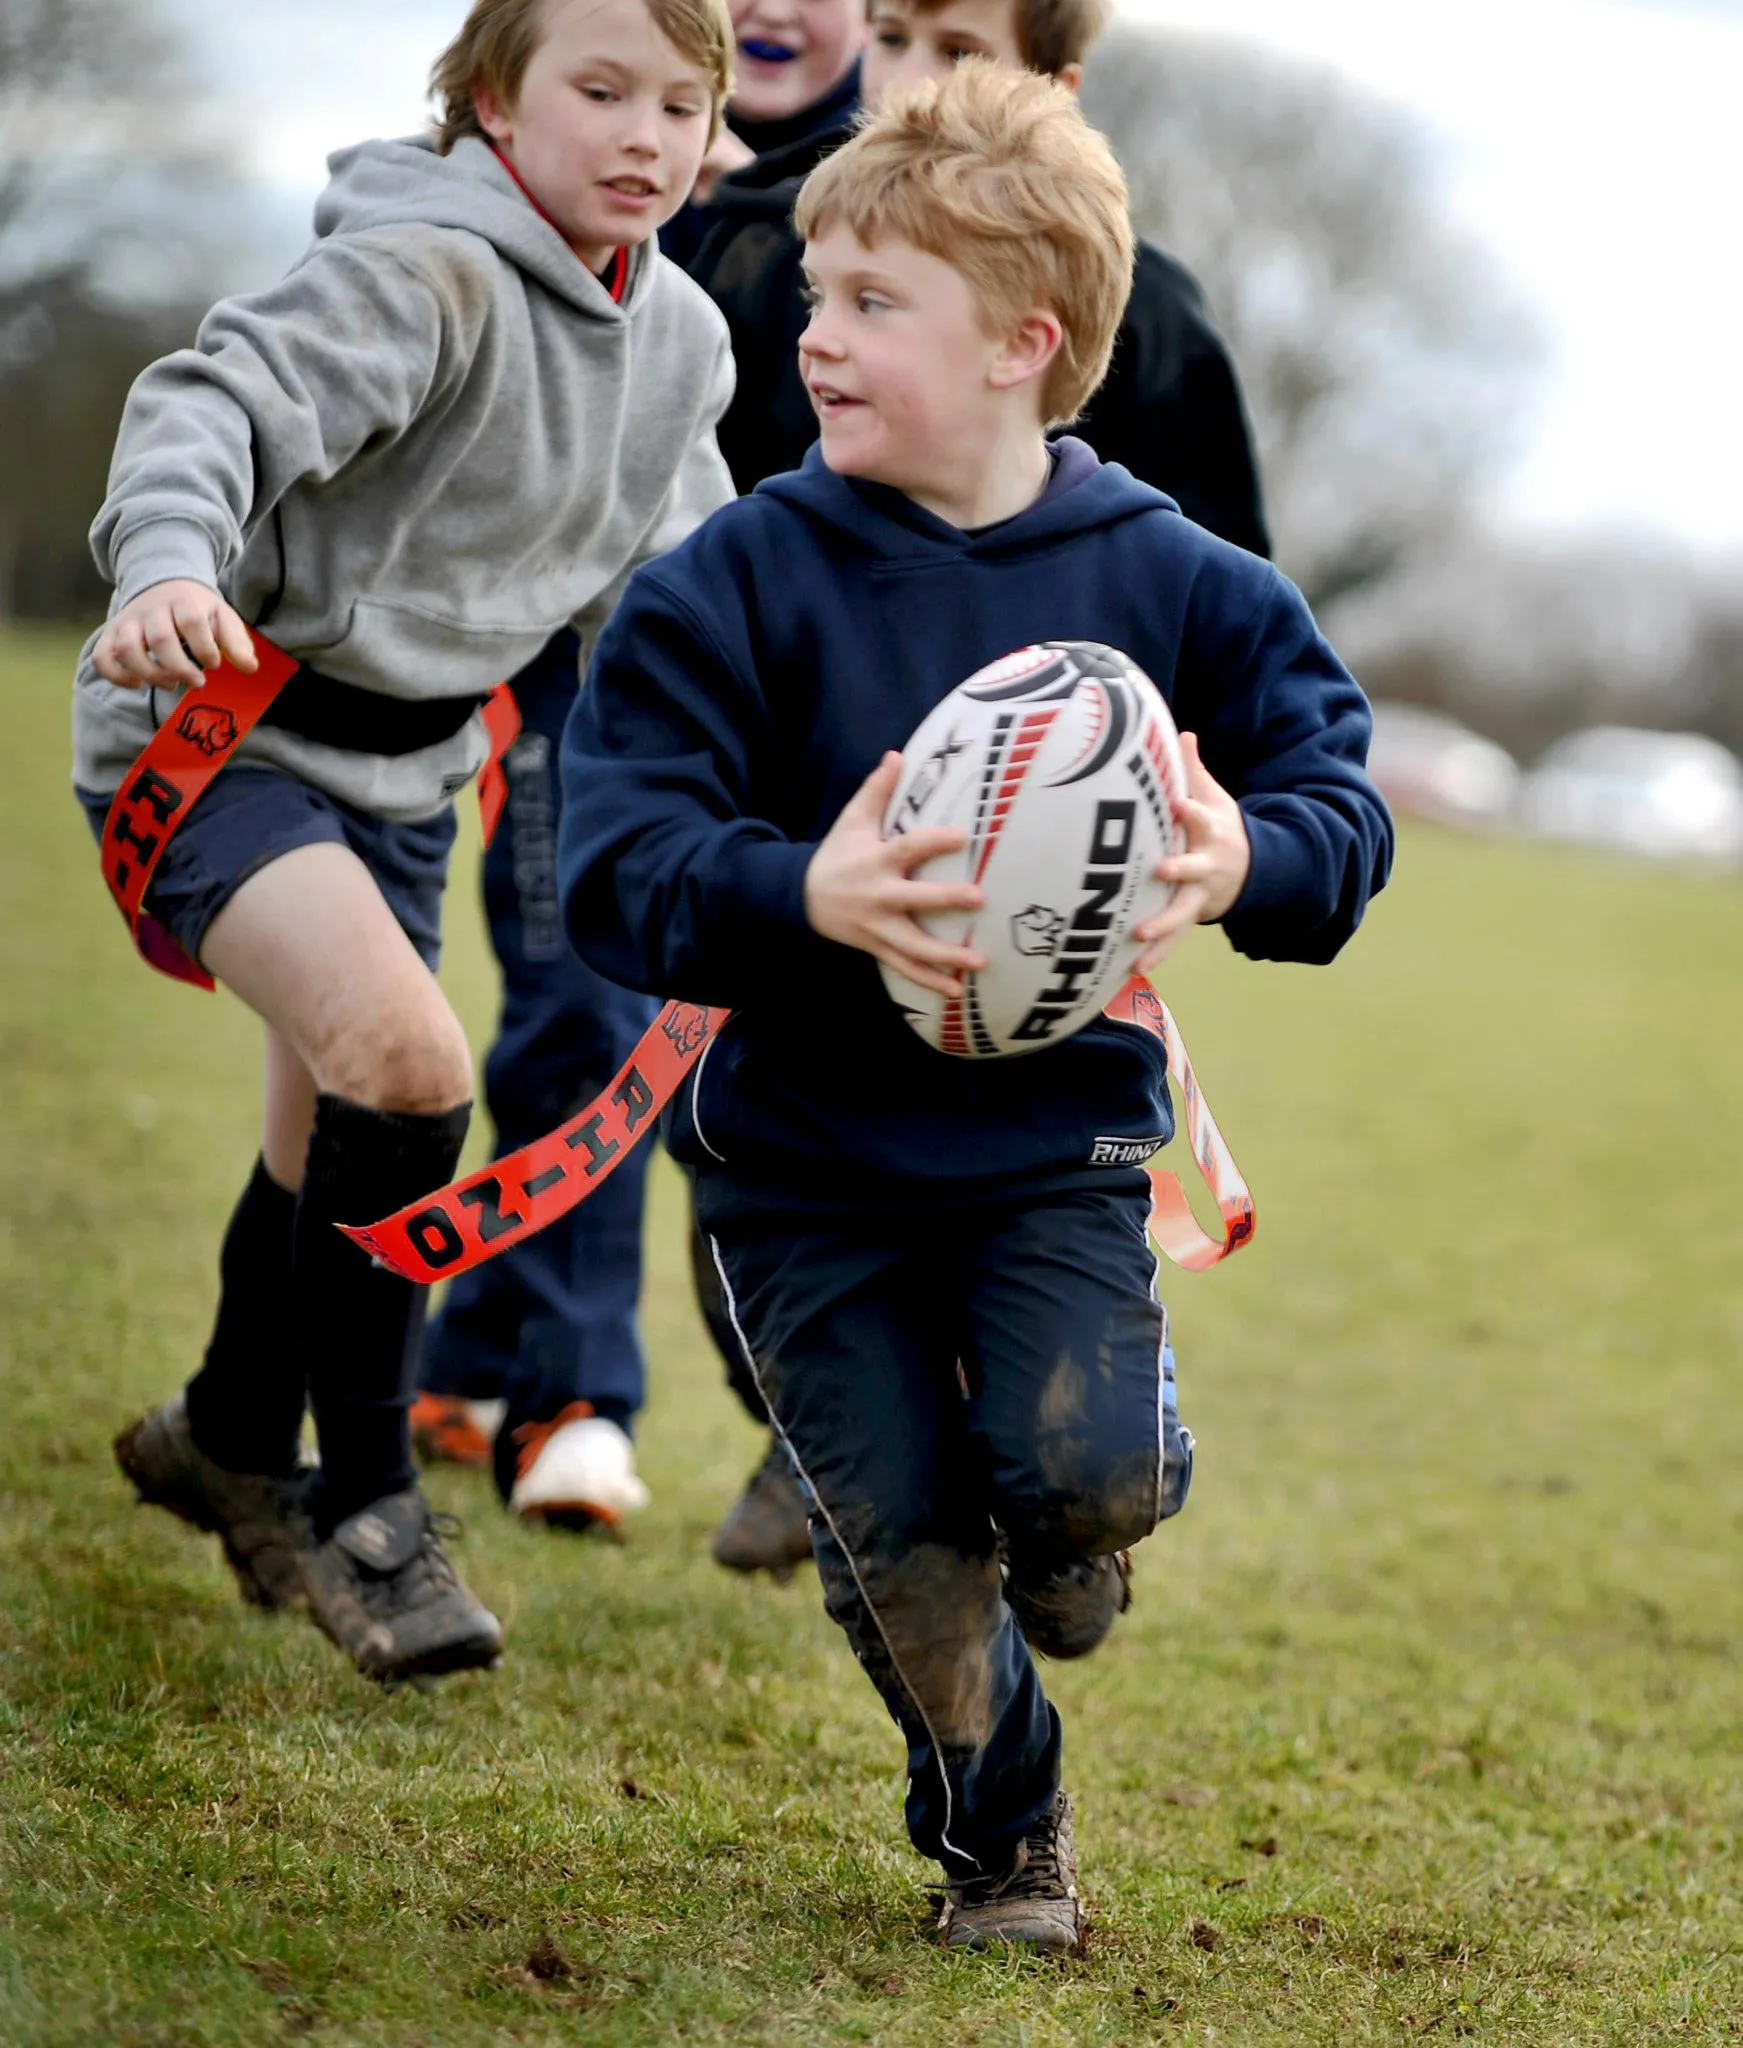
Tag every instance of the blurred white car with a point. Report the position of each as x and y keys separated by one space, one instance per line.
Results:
x=1672 y=795
x=1428 y=763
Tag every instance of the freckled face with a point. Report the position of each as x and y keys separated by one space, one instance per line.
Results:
x=897 y=362
x=609 y=127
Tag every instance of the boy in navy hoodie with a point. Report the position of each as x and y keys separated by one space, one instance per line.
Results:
x=1169 y=409
x=949 y=1307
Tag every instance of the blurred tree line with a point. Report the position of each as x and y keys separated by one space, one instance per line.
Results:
x=1390 y=373
x=1528 y=639
x=120 y=218
x=1388 y=369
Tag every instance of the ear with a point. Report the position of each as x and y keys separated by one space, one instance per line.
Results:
x=1070 y=75
x=1027 y=352
x=493 y=117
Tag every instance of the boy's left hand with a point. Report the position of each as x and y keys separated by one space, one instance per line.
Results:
x=1209 y=876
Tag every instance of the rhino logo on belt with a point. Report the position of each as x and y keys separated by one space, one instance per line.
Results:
x=1147 y=1010
x=686 y=1028
x=209 y=727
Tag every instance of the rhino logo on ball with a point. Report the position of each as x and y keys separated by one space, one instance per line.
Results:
x=1036 y=932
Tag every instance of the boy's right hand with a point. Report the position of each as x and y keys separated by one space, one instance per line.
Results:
x=172 y=633
x=859 y=888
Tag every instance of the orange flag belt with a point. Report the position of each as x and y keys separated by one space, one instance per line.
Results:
x=186 y=754
x=503 y=1204
x=509 y=1200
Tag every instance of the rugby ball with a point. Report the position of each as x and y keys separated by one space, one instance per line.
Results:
x=1062 y=765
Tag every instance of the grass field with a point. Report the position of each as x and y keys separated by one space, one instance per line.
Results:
x=1427 y=1721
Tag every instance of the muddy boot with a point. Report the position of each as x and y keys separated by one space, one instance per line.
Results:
x=766 y=1530
x=1031 y=1904
x=382 y=1589
x=260 y=1520
x=1067 y=1610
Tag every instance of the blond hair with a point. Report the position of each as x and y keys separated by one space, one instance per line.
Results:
x=1050 y=33
x=998 y=174
x=498 y=37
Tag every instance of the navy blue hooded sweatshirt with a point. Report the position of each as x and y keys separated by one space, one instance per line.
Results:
x=751 y=679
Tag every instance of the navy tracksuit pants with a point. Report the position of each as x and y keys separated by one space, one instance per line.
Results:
x=946 y=1374
x=554 y=1319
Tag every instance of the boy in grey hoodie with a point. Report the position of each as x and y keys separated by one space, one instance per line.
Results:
x=477 y=402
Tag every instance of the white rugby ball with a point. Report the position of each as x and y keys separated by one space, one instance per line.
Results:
x=1062 y=764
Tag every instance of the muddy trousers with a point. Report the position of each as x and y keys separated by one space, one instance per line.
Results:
x=553 y=1320
x=960 y=1386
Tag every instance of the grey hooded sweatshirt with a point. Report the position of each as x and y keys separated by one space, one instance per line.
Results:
x=411 y=460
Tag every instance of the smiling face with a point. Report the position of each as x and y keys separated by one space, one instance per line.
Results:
x=609 y=127
x=792 y=52
x=909 y=385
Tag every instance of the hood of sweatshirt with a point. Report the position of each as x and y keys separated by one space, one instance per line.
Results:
x=1085 y=496
x=431 y=444
x=405 y=182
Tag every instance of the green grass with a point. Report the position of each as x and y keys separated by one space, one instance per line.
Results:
x=1427 y=1719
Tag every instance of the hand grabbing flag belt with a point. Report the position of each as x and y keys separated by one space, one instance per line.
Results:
x=459 y=1227
x=184 y=755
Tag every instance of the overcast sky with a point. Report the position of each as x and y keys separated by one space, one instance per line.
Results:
x=1597 y=145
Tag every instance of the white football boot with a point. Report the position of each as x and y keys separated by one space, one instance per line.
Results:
x=576 y=1471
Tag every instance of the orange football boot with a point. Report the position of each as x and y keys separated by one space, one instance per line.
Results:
x=445 y=1430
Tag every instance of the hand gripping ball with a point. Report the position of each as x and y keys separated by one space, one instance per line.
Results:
x=1062 y=764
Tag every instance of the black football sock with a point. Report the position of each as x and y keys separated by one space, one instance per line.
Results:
x=357 y=1323
x=245 y=1404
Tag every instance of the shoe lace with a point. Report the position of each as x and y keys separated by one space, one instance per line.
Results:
x=429 y=1568
x=1034 y=1873
x=533 y=1436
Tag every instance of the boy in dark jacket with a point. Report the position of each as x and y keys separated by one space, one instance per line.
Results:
x=796 y=77
x=949 y=1307
x=534 y=1367
x=1169 y=409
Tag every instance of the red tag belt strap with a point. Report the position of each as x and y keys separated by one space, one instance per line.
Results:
x=506 y=1202
x=502 y=729
x=178 y=766
x=1172 y=1224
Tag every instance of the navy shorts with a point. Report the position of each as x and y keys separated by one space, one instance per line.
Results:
x=250 y=816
